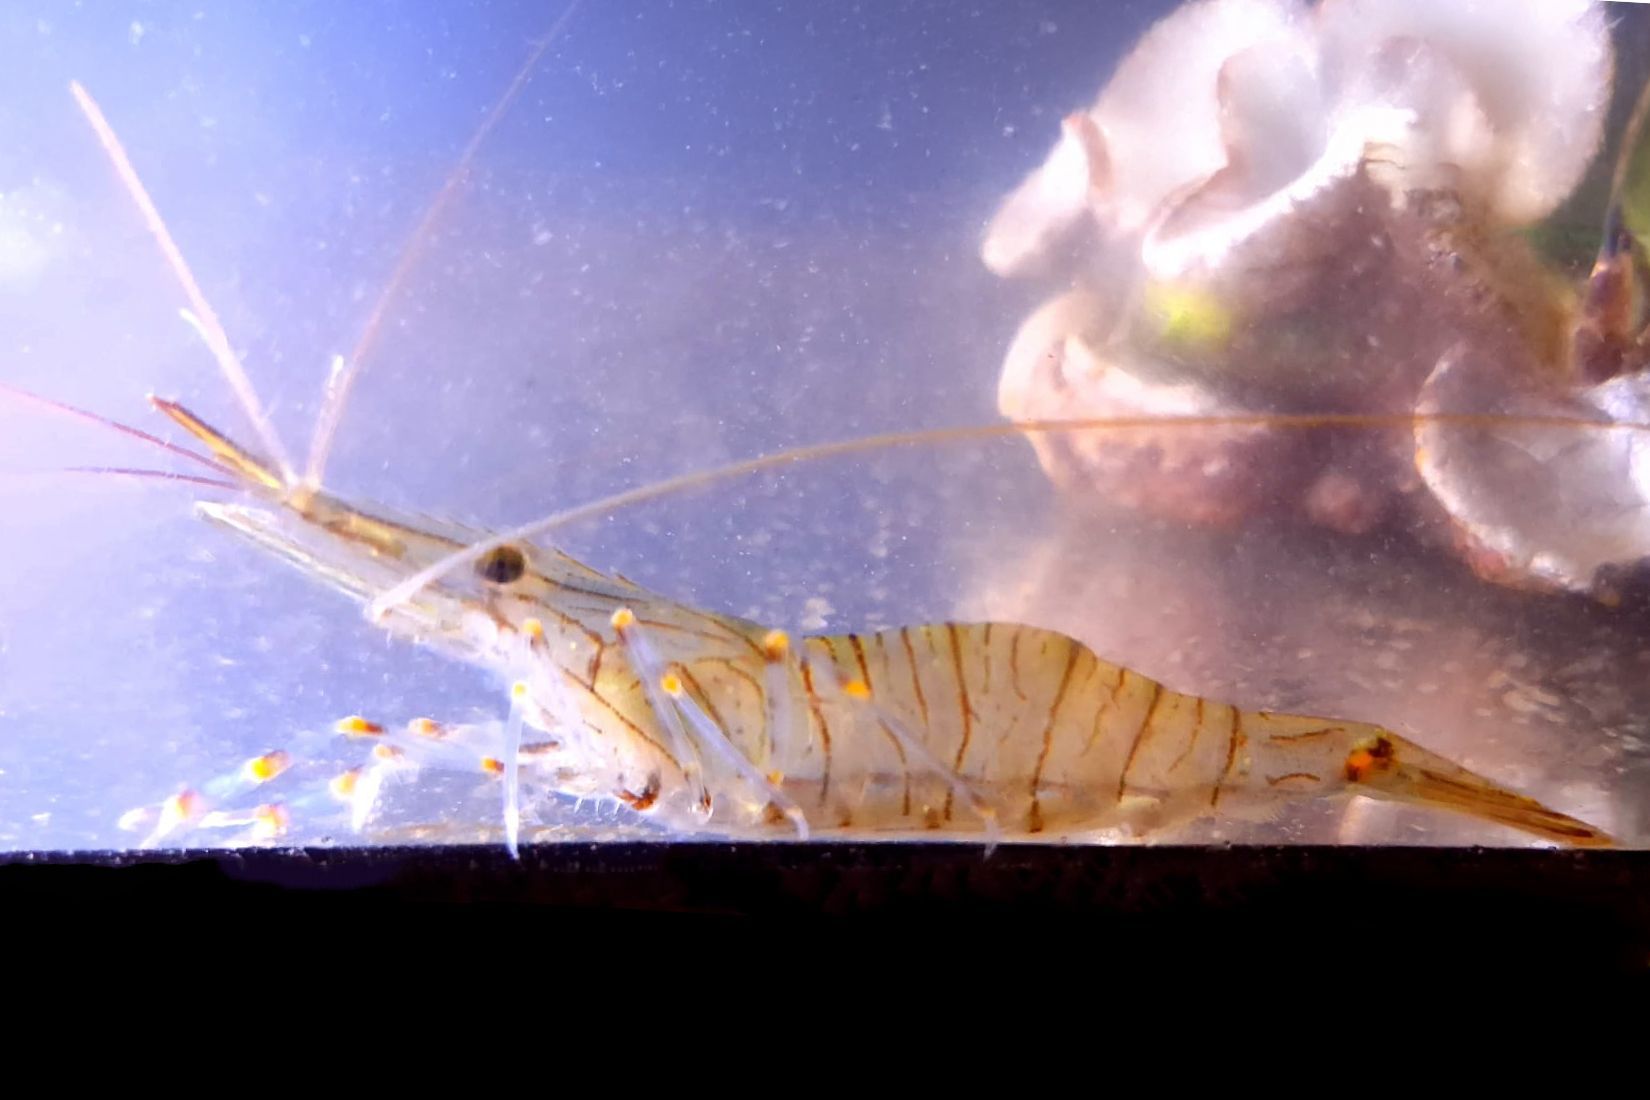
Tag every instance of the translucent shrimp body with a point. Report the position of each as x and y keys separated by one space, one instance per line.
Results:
x=709 y=723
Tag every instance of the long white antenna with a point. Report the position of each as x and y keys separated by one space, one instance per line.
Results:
x=344 y=371
x=924 y=437
x=200 y=314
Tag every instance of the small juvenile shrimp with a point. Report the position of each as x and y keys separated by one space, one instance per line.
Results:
x=708 y=723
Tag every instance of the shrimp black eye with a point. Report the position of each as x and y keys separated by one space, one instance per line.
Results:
x=502 y=564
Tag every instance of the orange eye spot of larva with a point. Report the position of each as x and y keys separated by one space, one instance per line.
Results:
x=532 y=628
x=261 y=769
x=426 y=727
x=343 y=785
x=623 y=619
x=386 y=752
x=672 y=684
x=270 y=821
x=492 y=765
x=181 y=807
x=357 y=726
x=856 y=689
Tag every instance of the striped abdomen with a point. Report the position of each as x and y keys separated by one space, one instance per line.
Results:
x=1054 y=738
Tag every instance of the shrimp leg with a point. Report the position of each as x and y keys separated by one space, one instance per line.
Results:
x=650 y=670
x=670 y=700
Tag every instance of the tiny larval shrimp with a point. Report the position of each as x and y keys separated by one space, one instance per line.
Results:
x=710 y=723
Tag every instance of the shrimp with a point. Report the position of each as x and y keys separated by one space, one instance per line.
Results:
x=710 y=723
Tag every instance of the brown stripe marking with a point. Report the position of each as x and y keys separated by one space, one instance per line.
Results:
x=568 y=561
x=916 y=681
x=752 y=644
x=859 y=658
x=967 y=713
x=881 y=640
x=824 y=729
x=882 y=649
x=1014 y=664
x=1234 y=739
x=593 y=637
x=1309 y=735
x=1036 y=816
x=865 y=676
x=724 y=630
x=759 y=690
x=693 y=684
x=721 y=636
x=986 y=643
x=1139 y=737
x=1123 y=675
x=733 y=666
x=1279 y=780
x=829 y=642
x=1191 y=744
x=594 y=668
x=633 y=727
